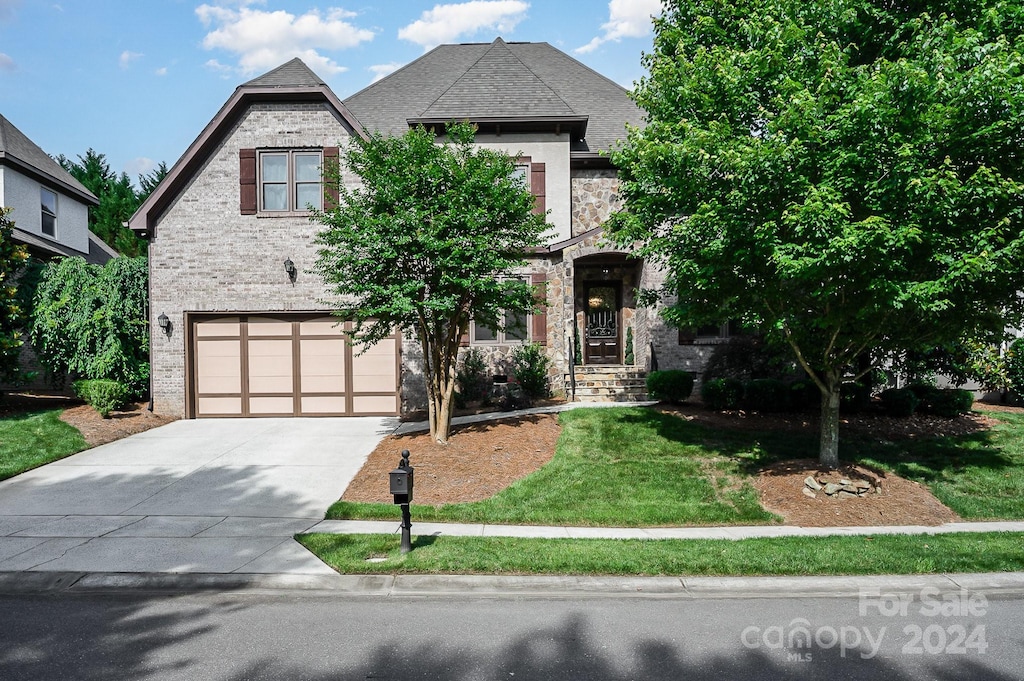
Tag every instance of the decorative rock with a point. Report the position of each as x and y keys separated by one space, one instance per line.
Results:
x=832 y=488
x=812 y=483
x=862 y=484
x=809 y=493
x=844 y=481
x=843 y=494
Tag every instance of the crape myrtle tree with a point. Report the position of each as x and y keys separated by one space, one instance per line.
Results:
x=846 y=174
x=428 y=241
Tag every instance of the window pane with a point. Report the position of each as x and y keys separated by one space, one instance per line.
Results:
x=307 y=167
x=482 y=333
x=275 y=197
x=307 y=195
x=49 y=224
x=515 y=327
x=275 y=167
x=522 y=173
x=710 y=331
x=48 y=200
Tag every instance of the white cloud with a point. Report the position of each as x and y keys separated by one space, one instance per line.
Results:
x=162 y=71
x=626 y=19
x=381 y=70
x=446 y=23
x=139 y=166
x=127 y=58
x=263 y=40
x=6 y=63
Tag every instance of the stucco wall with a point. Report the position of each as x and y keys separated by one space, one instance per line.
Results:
x=21 y=194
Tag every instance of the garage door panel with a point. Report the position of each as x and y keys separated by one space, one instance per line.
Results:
x=321 y=404
x=374 y=404
x=262 y=406
x=247 y=366
x=219 y=406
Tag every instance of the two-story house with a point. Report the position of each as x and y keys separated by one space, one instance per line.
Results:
x=239 y=326
x=49 y=207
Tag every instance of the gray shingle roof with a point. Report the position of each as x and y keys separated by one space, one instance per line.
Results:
x=294 y=73
x=18 y=150
x=492 y=80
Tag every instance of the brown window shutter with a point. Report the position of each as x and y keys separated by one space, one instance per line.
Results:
x=537 y=188
x=464 y=340
x=332 y=176
x=247 y=181
x=539 y=330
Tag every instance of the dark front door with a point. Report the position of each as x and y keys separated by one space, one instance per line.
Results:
x=602 y=333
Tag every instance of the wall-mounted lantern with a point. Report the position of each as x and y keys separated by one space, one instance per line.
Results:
x=289 y=268
x=164 y=323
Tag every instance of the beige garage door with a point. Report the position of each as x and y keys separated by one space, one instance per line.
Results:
x=249 y=365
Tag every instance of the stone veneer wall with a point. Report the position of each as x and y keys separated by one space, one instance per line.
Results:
x=595 y=196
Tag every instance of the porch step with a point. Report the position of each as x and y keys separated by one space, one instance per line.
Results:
x=610 y=384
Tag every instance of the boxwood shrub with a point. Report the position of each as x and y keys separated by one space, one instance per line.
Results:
x=722 y=393
x=951 y=402
x=899 y=401
x=670 y=385
x=766 y=394
x=102 y=394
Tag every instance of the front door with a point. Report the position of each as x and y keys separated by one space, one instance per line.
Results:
x=602 y=332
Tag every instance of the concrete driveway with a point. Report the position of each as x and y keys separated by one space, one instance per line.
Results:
x=211 y=495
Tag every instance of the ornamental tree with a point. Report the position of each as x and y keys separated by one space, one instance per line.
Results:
x=429 y=241
x=845 y=174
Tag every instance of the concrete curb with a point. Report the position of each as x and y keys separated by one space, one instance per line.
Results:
x=1003 y=584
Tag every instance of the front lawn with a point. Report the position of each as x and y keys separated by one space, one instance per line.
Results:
x=620 y=467
x=883 y=554
x=31 y=439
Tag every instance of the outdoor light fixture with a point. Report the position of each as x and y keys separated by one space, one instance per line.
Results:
x=289 y=267
x=164 y=323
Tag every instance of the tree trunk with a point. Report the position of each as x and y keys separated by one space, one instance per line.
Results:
x=828 y=452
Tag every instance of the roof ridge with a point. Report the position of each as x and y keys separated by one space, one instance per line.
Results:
x=462 y=75
x=269 y=79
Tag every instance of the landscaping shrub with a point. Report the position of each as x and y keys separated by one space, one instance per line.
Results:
x=722 y=393
x=471 y=378
x=766 y=394
x=899 y=401
x=926 y=395
x=671 y=385
x=530 y=367
x=1014 y=366
x=854 y=397
x=102 y=394
x=951 y=402
x=804 y=395
x=747 y=357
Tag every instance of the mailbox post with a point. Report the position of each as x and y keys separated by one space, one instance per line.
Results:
x=401 y=488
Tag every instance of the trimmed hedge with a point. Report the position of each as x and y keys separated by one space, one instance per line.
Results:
x=722 y=393
x=951 y=402
x=766 y=395
x=900 y=402
x=671 y=385
x=102 y=394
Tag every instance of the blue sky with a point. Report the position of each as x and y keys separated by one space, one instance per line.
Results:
x=138 y=80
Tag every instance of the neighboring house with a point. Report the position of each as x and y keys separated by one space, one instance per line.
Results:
x=245 y=331
x=50 y=208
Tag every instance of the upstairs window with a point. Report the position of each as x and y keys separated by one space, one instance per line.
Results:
x=290 y=181
x=48 y=212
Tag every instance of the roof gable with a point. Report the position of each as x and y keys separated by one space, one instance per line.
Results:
x=19 y=151
x=294 y=73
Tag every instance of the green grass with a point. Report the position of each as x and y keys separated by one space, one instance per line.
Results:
x=31 y=439
x=985 y=552
x=622 y=467
x=980 y=476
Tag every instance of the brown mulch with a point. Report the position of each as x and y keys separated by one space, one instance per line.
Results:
x=134 y=418
x=480 y=460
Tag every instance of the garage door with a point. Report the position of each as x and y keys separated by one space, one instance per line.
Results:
x=250 y=365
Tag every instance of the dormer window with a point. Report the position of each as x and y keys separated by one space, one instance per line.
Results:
x=48 y=213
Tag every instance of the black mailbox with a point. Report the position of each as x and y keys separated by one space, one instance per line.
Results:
x=402 y=480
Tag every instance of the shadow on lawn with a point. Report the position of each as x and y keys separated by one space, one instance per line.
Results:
x=924 y=459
